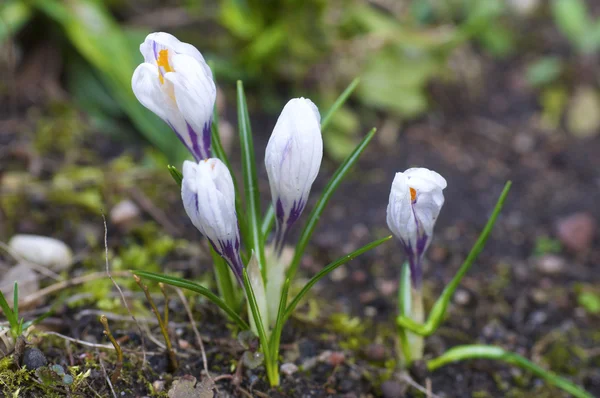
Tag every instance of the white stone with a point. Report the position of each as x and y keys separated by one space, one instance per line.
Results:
x=47 y=252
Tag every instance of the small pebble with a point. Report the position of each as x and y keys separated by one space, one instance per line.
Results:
x=375 y=352
x=576 y=231
x=183 y=344
x=158 y=385
x=124 y=213
x=309 y=363
x=289 y=369
x=550 y=264
x=392 y=389
x=359 y=276
x=33 y=358
x=387 y=287
x=370 y=311
x=339 y=274
x=462 y=297
x=41 y=250
x=27 y=279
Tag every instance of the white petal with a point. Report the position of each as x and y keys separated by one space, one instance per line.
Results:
x=400 y=217
x=425 y=175
x=195 y=92
x=146 y=87
x=157 y=41
x=294 y=152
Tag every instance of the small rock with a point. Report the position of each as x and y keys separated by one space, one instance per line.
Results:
x=550 y=264
x=336 y=358
x=41 y=250
x=359 y=276
x=309 y=363
x=184 y=344
x=462 y=297
x=419 y=371
x=289 y=369
x=576 y=231
x=523 y=143
x=124 y=213
x=387 y=287
x=158 y=385
x=583 y=118
x=26 y=278
x=392 y=389
x=370 y=311
x=339 y=274
x=33 y=358
x=375 y=352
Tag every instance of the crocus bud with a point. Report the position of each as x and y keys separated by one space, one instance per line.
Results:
x=176 y=84
x=293 y=157
x=416 y=199
x=209 y=201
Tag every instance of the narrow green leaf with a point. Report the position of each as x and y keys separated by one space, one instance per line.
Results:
x=339 y=102
x=13 y=15
x=268 y=222
x=16 y=301
x=8 y=312
x=340 y=261
x=438 y=311
x=255 y=242
x=185 y=284
x=276 y=335
x=477 y=351
x=224 y=281
x=262 y=334
x=316 y=212
x=176 y=174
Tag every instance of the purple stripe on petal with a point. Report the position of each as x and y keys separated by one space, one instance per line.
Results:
x=296 y=211
x=195 y=149
x=414 y=263
x=181 y=139
x=279 y=212
x=206 y=138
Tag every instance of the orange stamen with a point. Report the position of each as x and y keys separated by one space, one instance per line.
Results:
x=413 y=194
x=163 y=61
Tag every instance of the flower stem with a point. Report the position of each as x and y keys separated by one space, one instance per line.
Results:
x=464 y=352
x=410 y=305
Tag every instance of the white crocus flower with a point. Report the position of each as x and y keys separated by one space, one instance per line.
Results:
x=176 y=84
x=415 y=202
x=209 y=201
x=293 y=157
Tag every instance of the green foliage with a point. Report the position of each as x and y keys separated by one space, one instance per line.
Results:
x=98 y=38
x=544 y=70
x=588 y=297
x=546 y=245
x=573 y=19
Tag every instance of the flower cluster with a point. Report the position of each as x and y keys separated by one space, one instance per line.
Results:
x=175 y=83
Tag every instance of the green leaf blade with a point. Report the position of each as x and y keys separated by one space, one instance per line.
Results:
x=316 y=212
x=185 y=284
x=251 y=190
x=341 y=261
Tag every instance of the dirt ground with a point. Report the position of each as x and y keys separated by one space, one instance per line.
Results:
x=523 y=293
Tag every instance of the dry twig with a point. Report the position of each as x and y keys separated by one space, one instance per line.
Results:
x=117 y=372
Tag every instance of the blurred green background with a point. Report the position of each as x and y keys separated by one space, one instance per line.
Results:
x=312 y=48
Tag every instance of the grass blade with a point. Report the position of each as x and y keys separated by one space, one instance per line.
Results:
x=13 y=15
x=16 y=302
x=96 y=35
x=340 y=261
x=268 y=222
x=8 y=312
x=276 y=335
x=438 y=311
x=185 y=284
x=339 y=102
x=315 y=214
x=176 y=174
x=255 y=241
x=262 y=334
x=465 y=352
